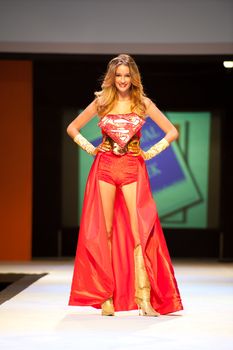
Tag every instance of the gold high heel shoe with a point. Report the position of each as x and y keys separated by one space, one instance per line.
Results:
x=107 y=308
x=142 y=285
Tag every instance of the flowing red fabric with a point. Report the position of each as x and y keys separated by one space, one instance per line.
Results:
x=96 y=277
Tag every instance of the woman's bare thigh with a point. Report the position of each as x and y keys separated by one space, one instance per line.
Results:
x=108 y=194
x=130 y=192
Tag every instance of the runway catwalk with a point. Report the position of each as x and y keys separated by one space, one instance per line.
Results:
x=39 y=317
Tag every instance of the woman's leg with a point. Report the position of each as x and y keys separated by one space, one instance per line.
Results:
x=108 y=193
x=142 y=283
x=129 y=192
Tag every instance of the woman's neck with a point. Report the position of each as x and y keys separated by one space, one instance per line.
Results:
x=123 y=97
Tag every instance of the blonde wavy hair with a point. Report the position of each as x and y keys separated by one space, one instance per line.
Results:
x=106 y=98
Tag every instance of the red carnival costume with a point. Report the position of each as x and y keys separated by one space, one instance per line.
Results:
x=96 y=276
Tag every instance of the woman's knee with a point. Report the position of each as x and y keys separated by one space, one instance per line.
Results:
x=136 y=236
x=109 y=231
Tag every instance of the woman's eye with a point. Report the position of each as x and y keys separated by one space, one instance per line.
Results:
x=126 y=76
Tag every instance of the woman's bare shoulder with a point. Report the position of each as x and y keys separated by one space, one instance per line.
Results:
x=147 y=101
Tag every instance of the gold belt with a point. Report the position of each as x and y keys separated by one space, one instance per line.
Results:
x=132 y=147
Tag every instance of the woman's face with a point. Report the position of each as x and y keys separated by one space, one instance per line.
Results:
x=122 y=78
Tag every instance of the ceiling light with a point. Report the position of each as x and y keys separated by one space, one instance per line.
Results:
x=228 y=64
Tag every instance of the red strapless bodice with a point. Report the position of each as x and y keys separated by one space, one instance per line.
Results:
x=121 y=127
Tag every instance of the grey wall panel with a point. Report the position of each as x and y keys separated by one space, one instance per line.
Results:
x=107 y=26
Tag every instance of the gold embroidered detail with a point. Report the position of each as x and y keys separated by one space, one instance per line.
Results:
x=133 y=146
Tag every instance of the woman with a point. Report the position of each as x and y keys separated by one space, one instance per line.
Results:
x=122 y=261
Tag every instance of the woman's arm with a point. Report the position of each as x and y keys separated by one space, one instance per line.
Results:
x=82 y=119
x=161 y=120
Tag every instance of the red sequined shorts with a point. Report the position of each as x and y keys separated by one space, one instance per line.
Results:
x=118 y=170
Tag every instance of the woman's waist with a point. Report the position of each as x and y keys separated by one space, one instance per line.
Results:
x=132 y=147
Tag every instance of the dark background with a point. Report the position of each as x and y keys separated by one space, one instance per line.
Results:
x=179 y=82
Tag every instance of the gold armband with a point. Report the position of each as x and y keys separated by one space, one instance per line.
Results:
x=84 y=144
x=156 y=149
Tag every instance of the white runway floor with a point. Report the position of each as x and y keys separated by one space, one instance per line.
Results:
x=39 y=317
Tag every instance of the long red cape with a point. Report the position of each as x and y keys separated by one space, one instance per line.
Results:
x=96 y=277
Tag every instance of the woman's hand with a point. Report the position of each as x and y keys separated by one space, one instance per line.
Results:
x=95 y=151
x=105 y=146
x=142 y=153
